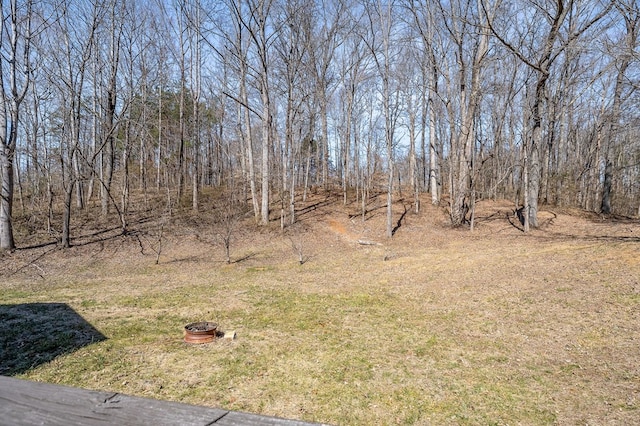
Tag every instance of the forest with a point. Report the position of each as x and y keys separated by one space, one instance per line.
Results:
x=532 y=101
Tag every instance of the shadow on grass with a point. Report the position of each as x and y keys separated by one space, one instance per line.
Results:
x=32 y=334
x=399 y=223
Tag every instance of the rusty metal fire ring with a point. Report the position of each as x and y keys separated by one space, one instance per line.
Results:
x=200 y=332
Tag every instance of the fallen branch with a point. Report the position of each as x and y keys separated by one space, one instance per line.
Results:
x=368 y=243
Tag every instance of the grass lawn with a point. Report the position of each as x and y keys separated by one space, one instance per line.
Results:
x=436 y=326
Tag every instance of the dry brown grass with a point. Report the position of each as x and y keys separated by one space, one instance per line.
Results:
x=435 y=326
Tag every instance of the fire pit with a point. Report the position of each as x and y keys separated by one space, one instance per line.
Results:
x=200 y=332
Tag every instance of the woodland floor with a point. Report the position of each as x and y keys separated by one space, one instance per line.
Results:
x=434 y=326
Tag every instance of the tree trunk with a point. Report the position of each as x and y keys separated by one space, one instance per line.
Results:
x=347 y=143
x=525 y=182
x=431 y=112
x=324 y=145
x=6 y=198
x=534 y=171
x=109 y=149
x=266 y=139
x=196 y=76
x=79 y=186
x=108 y=154
x=605 y=207
x=159 y=159
x=413 y=166
x=247 y=135
x=66 y=216
x=124 y=200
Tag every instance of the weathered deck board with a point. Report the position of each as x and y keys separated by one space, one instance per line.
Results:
x=31 y=403
x=235 y=418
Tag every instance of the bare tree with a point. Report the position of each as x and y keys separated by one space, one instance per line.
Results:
x=253 y=19
x=15 y=74
x=628 y=45
x=196 y=93
x=110 y=100
x=352 y=70
x=540 y=56
x=71 y=55
x=294 y=90
x=227 y=217
x=424 y=25
x=470 y=41
x=323 y=42
x=192 y=14
x=384 y=47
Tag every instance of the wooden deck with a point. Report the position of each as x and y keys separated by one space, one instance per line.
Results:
x=31 y=403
